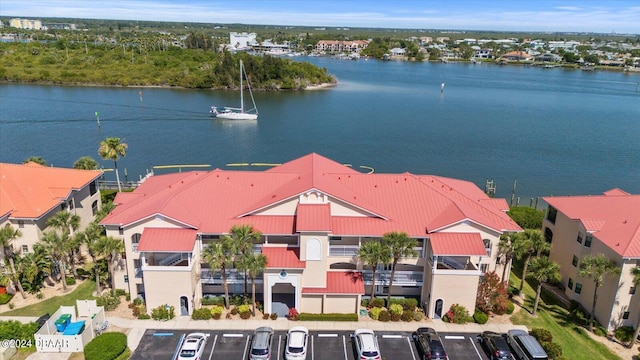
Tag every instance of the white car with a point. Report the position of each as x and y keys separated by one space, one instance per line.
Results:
x=366 y=344
x=296 y=343
x=193 y=346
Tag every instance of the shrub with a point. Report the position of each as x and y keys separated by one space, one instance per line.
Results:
x=480 y=317
x=234 y=310
x=213 y=300
x=457 y=314
x=492 y=294
x=510 y=307
x=396 y=309
x=201 y=314
x=417 y=316
x=623 y=333
x=244 y=308
x=375 y=313
x=12 y=329
x=127 y=297
x=245 y=315
x=541 y=334
x=384 y=316
x=121 y=292
x=552 y=349
x=395 y=317
x=377 y=302
x=144 y=316
x=364 y=302
x=107 y=346
x=328 y=317
x=161 y=313
x=293 y=314
x=600 y=331
x=410 y=304
x=274 y=316
x=70 y=281
x=5 y=298
x=109 y=301
x=137 y=301
x=265 y=316
x=216 y=312
x=407 y=316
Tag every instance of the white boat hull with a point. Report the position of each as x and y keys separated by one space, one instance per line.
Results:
x=236 y=116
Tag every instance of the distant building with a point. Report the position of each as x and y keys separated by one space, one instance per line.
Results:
x=341 y=46
x=242 y=41
x=442 y=39
x=516 y=56
x=59 y=26
x=26 y=24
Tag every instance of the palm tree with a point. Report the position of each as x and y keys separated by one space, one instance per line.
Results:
x=533 y=242
x=255 y=265
x=241 y=240
x=218 y=256
x=373 y=253
x=34 y=267
x=595 y=267
x=400 y=245
x=7 y=235
x=55 y=247
x=104 y=211
x=67 y=223
x=508 y=247
x=112 y=149
x=110 y=248
x=35 y=159
x=85 y=163
x=90 y=237
x=543 y=271
x=635 y=272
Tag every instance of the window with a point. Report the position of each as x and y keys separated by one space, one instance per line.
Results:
x=21 y=224
x=25 y=248
x=579 y=239
x=63 y=206
x=499 y=260
x=314 y=249
x=574 y=262
x=587 y=241
x=487 y=246
x=632 y=290
x=135 y=239
x=335 y=238
x=552 y=213
x=578 y=288
x=570 y=284
x=93 y=188
x=548 y=235
x=625 y=315
x=94 y=207
x=71 y=206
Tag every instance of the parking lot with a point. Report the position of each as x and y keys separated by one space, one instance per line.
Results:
x=323 y=345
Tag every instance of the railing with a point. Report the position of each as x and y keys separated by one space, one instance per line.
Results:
x=452 y=263
x=399 y=278
x=135 y=247
x=209 y=276
x=113 y=185
x=343 y=250
x=138 y=272
x=172 y=259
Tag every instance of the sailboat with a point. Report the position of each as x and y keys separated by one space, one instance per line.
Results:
x=231 y=113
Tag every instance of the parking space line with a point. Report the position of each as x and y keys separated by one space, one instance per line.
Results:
x=392 y=336
x=279 y=344
x=177 y=350
x=232 y=335
x=246 y=345
x=344 y=345
x=327 y=335
x=312 y=353
x=454 y=337
x=411 y=348
x=215 y=339
x=474 y=346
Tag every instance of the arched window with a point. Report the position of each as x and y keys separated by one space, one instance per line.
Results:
x=314 y=249
x=487 y=246
x=135 y=239
x=94 y=207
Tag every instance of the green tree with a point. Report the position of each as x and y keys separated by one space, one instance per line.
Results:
x=374 y=253
x=595 y=267
x=67 y=224
x=7 y=235
x=635 y=272
x=90 y=237
x=218 y=256
x=242 y=238
x=255 y=265
x=35 y=159
x=112 y=149
x=543 y=271
x=55 y=246
x=508 y=247
x=85 y=163
x=110 y=248
x=526 y=217
x=532 y=243
x=400 y=246
x=34 y=267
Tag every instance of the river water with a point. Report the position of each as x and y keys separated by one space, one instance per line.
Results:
x=555 y=131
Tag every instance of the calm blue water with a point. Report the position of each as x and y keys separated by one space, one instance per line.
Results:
x=556 y=131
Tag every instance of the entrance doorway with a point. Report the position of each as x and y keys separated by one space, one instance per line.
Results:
x=184 y=306
x=283 y=297
x=438 y=311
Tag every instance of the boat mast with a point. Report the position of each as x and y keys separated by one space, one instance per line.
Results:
x=241 y=91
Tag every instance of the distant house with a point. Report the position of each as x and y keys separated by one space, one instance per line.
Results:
x=397 y=52
x=341 y=46
x=516 y=56
x=31 y=193
x=483 y=54
x=548 y=58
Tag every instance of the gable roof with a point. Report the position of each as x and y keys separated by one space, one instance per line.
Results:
x=340 y=282
x=457 y=244
x=167 y=240
x=214 y=201
x=31 y=190
x=614 y=218
x=283 y=257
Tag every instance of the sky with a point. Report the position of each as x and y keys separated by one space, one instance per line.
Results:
x=601 y=16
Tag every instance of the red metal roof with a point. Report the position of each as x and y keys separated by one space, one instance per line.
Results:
x=313 y=217
x=457 y=244
x=612 y=218
x=167 y=240
x=339 y=282
x=214 y=201
x=283 y=257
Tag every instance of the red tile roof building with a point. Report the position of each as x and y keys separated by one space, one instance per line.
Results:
x=313 y=214
x=609 y=224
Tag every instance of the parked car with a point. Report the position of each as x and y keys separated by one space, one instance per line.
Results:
x=429 y=344
x=496 y=345
x=366 y=344
x=261 y=343
x=296 y=348
x=193 y=346
x=525 y=346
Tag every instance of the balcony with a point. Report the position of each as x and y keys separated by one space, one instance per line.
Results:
x=214 y=277
x=407 y=278
x=343 y=250
x=150 y=259
x=453 y=264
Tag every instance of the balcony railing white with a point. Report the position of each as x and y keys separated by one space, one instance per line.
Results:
x=399 y=278
x=343 y=250
x=209 y=276
x=172 y=259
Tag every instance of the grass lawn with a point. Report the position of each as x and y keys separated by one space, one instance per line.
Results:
x=83 y=291
x=575 y=342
